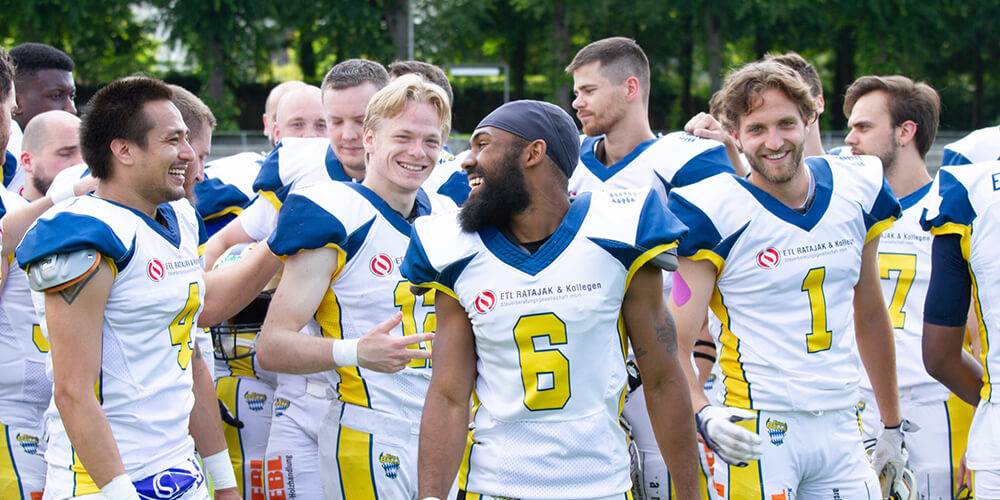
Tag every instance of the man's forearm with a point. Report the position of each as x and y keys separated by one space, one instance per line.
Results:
x=443 y=434
x=89 y=431
x=206 y=423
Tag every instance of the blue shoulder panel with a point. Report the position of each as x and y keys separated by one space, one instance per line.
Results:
x=333 y=167
x=704 y=165
x=952 y=157
x=702 y=233
x=69 y=232
x=304 y=225
x=886 y=206
x=955 y=206
x=456 y=187
x=657 y=225
x=215 y=197
x=416 y=267
x=9 y=168
x=269 y=177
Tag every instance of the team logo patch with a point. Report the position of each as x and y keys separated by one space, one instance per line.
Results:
x=381 y=265
x=485 y=301
x=28 y=443
x=255 y=400
x=171 y=483
x=622 y=197
x=390 y=464
x=155 y=270
x=777 y=431
x=769 y=258
x=280 y=405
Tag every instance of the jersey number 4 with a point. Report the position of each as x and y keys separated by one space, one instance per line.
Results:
x=180 y=327
x=544 y=370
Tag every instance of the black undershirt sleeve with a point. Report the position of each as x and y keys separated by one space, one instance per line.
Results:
x=950 y=288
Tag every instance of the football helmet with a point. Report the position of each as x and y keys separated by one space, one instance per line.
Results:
x=236 y=338
x=891 y=489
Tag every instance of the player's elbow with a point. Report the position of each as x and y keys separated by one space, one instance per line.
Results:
x=935 y=357
x=267 y=351
x=69 y=397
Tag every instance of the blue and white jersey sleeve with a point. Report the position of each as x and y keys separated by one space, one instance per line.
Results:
x=703 y=235
x=687 y=159
x=64 y=229
x=228 y=185
x=861 y=178
x=979 y=146
x=328 y=214
x=296 y=161
x=953 y=212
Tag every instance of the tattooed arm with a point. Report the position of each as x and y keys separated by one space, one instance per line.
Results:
x=74 y=317
x=653 y=335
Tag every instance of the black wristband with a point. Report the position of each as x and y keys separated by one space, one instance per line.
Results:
x=702 y=355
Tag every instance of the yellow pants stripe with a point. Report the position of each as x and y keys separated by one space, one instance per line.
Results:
x=746 y=483
x=82 y=483
x=354 y=462
x=10 y=480
x=959 y=420
x=227 y=389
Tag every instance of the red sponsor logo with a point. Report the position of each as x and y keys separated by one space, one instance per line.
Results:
x=381 y=265
x=275 y=479
x=257 y=480
x=155 y=270
x=485 y=301
x=769 y=258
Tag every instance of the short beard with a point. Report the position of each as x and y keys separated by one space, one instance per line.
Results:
x=41 y=185
x=777 y=179
x=498 y=199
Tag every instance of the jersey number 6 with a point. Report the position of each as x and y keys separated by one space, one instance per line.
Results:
x=544 y=371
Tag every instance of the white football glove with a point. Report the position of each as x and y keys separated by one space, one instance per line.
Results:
x=889 y=457
x=735 y=445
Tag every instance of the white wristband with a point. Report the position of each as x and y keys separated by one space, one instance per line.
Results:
x=345 y=352
x=120 y=488
x=220 y=469
x=61 y=191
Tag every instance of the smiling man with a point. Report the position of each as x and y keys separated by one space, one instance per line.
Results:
x=778 y=259
x=537 y=300
x=342 y=244
x=123 y=287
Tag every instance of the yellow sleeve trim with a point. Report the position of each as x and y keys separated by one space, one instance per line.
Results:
x=227 y=211
x=644 y=258
x=712 y=257
x=950 y=228
x=878 y=227
x=272 y=198
x=112 y=265
x=437 y=286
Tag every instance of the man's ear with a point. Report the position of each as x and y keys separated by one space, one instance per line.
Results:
x=534 y=153
x=122 y=149
x=26 y=162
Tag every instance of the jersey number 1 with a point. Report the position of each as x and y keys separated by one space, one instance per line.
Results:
x=819 y=338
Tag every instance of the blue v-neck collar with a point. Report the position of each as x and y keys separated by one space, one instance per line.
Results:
x=397 y=221
x=532 y=264
x=170 y=229
x=823 y=176
x=588 y=157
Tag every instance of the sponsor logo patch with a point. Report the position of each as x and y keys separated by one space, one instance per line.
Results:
x=255 y=400
x=390 y=464
x=776 y=430
x=28 y=443
x=485 y=301
x=155 y=270
x=769 y=258
x=380 y=265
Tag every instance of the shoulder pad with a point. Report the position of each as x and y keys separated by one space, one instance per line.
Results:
x=62 y=270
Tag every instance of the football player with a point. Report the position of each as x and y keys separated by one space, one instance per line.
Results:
x=979 y=146
x=537 y=300
x=895 y=119
x=620 y=151
x=120 y=309
x=342 y=244
x=779 y=258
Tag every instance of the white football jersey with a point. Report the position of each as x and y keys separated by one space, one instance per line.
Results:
x=227 y=187
x=979 y=146
x=371 y=239
x=904 y=262
x=147 y=343
x=25 y=389
x=782 y=305
x=550 y=341
x=965 y=204
x=294 y=162
x=675 y=159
